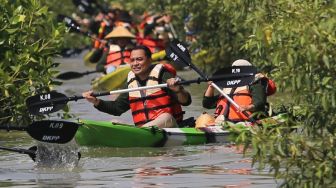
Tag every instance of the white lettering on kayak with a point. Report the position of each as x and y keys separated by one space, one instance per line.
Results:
x=235 y=71
x=50 y=138
x=56 y=125
x=44 y=97
x=232 y=82
x=181 y=47
x=46 y=109
x=173 y=56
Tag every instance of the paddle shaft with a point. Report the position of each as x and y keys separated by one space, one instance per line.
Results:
x=9 y=127
x=17 y=150
x=186 y=82
x=188 y=61
x=31 y=151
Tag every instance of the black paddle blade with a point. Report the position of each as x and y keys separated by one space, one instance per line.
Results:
x=240 y=76
x=72 y=75
x=59 y=132
x=236 y=70
x=69 y=22
x=46 y=103
x=32 y=152
x=69 y=75
x=176 y=50
x=235 y=82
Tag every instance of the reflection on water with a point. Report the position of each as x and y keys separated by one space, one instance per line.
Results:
x=187 y=166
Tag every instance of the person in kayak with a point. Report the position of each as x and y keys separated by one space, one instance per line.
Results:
x=251 y=98
x=117 y=53
x=160 y=107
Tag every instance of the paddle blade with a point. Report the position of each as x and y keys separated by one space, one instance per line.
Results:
x=52 y=131
x=236 y=70
x=178 y=53
x=237 y=76
x=69 y=75
x=69 y=22
x=172 y=56
x=46 y=103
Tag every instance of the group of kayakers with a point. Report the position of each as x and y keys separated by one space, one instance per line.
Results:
x=120 y=42
x=117 y=34
x=162 y=106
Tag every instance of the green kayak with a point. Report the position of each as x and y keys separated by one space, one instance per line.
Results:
x=102 y=133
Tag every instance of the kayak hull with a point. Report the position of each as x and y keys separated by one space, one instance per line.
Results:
x=108 y=134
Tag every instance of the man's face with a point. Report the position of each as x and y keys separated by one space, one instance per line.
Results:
x=140 y=63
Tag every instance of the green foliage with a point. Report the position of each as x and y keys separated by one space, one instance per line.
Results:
x=30 y=37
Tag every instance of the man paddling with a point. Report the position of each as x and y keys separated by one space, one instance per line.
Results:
x=250 y=99
x=160 y=107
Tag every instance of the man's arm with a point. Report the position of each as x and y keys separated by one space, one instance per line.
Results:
x=116 y=108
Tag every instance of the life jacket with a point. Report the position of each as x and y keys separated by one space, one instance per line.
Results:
x=155 y=45
x=116 y=56
x=241 y=95
x=147 y=105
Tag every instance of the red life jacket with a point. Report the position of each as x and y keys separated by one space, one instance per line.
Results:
x=155 y=45
x=147 y=105
x=241 y=96
x=116 y=56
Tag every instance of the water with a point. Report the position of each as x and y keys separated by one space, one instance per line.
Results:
x=185 y=166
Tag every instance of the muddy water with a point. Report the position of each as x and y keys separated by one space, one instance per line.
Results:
x=187 y=166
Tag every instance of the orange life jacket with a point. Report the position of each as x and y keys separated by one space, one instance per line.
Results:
x=147 y=105
x=116 y=56
x=241 y=96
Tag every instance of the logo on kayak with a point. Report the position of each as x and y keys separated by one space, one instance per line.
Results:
x=46 y=109
x=233 y=82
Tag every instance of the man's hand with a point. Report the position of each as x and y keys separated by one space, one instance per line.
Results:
x=88 y=96
x=171 y=82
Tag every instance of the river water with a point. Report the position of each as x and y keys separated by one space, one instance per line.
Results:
x=185 y=166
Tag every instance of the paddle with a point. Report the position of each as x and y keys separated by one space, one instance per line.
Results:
x=30 y=151
x=48 y=130
x=72 y=75
x=178 y=52
x=51 y=102
x=75 y=27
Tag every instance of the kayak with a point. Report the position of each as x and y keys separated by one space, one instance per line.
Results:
x=87 y=61
x=111 y=81
x=109 y=134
